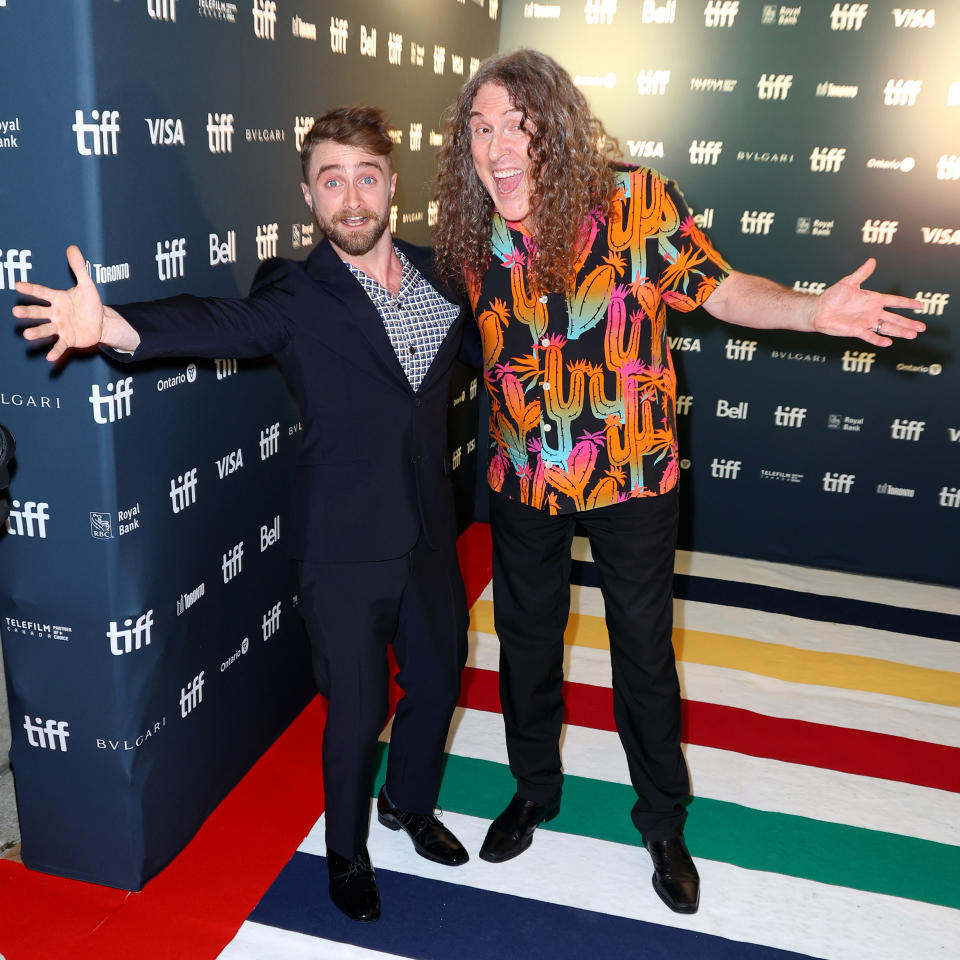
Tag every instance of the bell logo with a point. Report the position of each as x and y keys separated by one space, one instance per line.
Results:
x=838 y=482
x=652 y=13
x=756 y=221
x=339 y=32
x=171 y=258
x=12 y=263
x=705 y=151
x=162 y=10
x=652 y=82
x=133 y=636
x=103 y=130
x=949 y=497
x=301 y=127
x=948 y=167
x=879 y=231
x=439 y=59
x=270 y=535
x=907 y=429
x=848 y=16
x=183 y=490
x=914 y=17
x=598 y=12
x=21 y=521
x=774 y=86
x=232 y=562
x=901 y=93
x=933 y=303
x=416 y=136
x=395 y=49
x=225 y=252
x=738 y=412
x=220 y=132
x=740 y=349
x=51 y=735
x=264 y=19
x=725 y=469
x=271 y=621
x=368 y=42
x=269 y=441
x=267 y=235
x=789 y=416
x=116 y=403
x=191 y=696
x=827 y=159
x=720 y=13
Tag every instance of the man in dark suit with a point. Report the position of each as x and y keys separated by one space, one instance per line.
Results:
x=367 y=344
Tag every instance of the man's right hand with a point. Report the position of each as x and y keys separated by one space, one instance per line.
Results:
x=76 y=317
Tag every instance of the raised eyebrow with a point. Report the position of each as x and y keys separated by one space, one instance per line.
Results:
x=341 y=169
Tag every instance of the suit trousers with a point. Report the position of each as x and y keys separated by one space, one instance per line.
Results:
x=353 y=611
x=633 y=545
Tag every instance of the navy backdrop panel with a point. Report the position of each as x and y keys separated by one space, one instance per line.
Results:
x=152 y=642
x=806 y=137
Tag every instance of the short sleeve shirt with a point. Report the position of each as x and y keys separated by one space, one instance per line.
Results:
x=582 y=386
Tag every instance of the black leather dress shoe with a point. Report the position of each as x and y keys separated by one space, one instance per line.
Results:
x=512 y=832
x=431 y=839
x=675 y=878
x=353 y=886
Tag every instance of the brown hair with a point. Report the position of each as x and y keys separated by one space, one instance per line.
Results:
x=570 y=153
x=364 y=127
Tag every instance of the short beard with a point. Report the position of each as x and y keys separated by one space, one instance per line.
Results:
x=355 y=242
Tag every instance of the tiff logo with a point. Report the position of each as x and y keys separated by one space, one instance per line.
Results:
x=774 y=86
x=652 y=82
x=838 y=482
x=879 y=231
x=271 y=621
x=191 y=695
x=725 y=469
x=599 y=11
x=756 y=221
x=267 y=234
x=183 y=490
x=439 y=59
x=339 y=31
x=948 y=167
x=13 y=263
x=20 y=523
x=301 y=127
x=225 y=252
x=133 y=636
x=269 y=441
x=232 y=562
x=848 y=16
x=103 y=130
x=740 y=349
x=433 y=213
x=907 y=429
x=226 y=368
x=901 y=93
x=394 y=214
x=705 y=151
x=395 y=49
x=949 y=497
x=171 y=258
x=162 y=10
x=684 y=403
x=827 y=159
x=789 y=416
x=933 y=303
x=264 y=19
x=720 y=13
x=220 y=132
x=368 y=42
x=117 y=401
x=857 y=361
x=456 y=64
x=416 y=136
x=51 y=735
x=813 y=287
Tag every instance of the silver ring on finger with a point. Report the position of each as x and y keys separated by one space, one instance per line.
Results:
x=878 y=329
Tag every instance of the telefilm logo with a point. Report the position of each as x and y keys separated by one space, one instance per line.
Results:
x=191 y=696
x=37 y=630
x=301 y=127
x=652 y=83
x=879 y=231
x=756 y=222
x=654 y=12
x=171 y=257
x=740 y=349
x=725 y=469
x=339 y=34
x=232 y=562
x=271 y=621
x=901 y=93
x=7 y=130
x=47 y=735
x=827 y=159
x=303 y=29
x=223 y=251
x=720 y=13
x=857 y=361
x=103 y=131
x=133 y=635
x=782 y=475
x=712 y=85
x=368 y=41
x=948 y=167
x=848 y=16
x=183 y=490
x=914 y=17
x=264 y=19
x=267 y=235
x=945 y=236
x=222 y=10
x=781 y=16
x=774 y=86
x=28 y=519
x=838 y=482
x=115 y=405
x=220 y=132
x=162 y=10
x=439 y=59
x=907 y=429
x=933 y=304
x=599 y=12
x=15 y=266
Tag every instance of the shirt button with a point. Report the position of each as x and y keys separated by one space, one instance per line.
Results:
x=545 y=427
x=546 y=386
x=543 y=299
x=413 y=350
x=544 y=342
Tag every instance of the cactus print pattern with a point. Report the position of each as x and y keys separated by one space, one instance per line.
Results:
x=582 y=386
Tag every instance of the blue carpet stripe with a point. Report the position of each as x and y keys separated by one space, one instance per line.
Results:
x=431 y=920
x=796 y=603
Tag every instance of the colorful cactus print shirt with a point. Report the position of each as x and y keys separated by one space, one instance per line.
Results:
x=582 y=386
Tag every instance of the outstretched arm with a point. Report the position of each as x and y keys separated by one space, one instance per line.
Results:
x=76 y=317
x=842 y=310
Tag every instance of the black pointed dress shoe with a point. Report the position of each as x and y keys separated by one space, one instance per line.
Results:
x=431 y=839
x=675 y=878
x=353 y=886
x=512 y=832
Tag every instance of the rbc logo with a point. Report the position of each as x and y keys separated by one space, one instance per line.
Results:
x=117 y=402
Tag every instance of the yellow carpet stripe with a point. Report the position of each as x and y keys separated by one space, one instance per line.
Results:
x=792 y=664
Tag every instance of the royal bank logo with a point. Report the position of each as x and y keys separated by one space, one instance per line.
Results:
x=705 y=152
x=103 y=132
x=914 y=17
x=541 y=11
x=101 y=525
x=28 y=519
x=903 y=166
x=725 y=469
x=773 y=14
x=948 y=167
x=134 y=635
x=814 y=227
x=226 y=367
x=162 y=10
x=932 y=304
x=270 y=534
x=15 y=266
x=774 y=86
x=712 y=85
x=115 y=404
x=303 y=29
x=949 y=497
x=220 y=132
x=645 y=149
x=756 y=222
x=269 y=440
x=599 y=12
x=652 y=83
x=417 y=53
x=270 y=623
x=841 y=91
x=264 y=19
x=789 y=416
x=47 y=735
x=439 y=59
x=8 y=129
x=654 y=12
x=171 y=257
x=339 y=34
x=837 y=421
x=857 y=361
x=720 y=13
x=902 y=93
x=907 y=429
x=267 y=236
x=165 y=131
x=183 y=490
x=827 y=159
x=945 y=236
x=416 y=136
x=848 y=16
x=838 y=482
x=368 y=41
x=223 y=251
x=685 y=344
x=456 y=64
x=813 y=287
x=129 y=519
x=222 y=10
x=879 y=231
x=191 y=696
x=301 y=127
x=732 y=411
x=301 y=235
x=684 y=404
x=230 y=463
x=232 y=562
x=740 y=349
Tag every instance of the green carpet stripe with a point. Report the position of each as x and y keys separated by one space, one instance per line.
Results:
x=839 y=854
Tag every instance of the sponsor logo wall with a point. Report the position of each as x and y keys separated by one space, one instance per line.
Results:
x=801 y=158
x=156 y=495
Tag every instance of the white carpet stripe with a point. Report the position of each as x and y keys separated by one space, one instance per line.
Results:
x=774 y=698
x=755 y=782
x=257 y=941
x=766 y=908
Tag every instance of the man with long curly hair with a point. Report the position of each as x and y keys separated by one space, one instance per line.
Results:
x=570 y=260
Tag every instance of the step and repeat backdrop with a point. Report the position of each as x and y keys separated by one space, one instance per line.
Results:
x=152 y=642
x=806 y=138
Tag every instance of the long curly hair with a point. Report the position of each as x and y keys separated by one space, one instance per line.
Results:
x=571 y=175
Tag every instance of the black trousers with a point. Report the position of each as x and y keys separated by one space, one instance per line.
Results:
x=353 y=611
x=633 y=545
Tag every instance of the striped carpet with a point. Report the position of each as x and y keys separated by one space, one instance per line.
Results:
x=822 y=732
